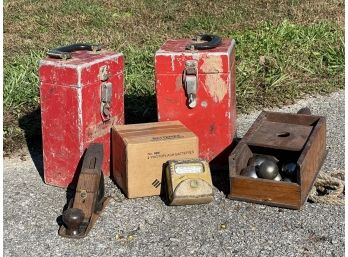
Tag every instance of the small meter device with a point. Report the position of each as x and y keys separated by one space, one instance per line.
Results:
x=188 y=182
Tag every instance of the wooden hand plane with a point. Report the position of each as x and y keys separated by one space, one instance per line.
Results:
x=89 y=201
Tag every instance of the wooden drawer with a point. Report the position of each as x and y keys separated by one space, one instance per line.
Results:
x=300 y=138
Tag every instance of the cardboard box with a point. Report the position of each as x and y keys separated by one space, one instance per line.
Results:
x=139 y=152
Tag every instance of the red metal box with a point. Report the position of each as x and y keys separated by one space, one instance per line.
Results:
x=197 y=87
x=81 y=99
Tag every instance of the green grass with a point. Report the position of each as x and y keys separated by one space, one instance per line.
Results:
x=281 y=63
x=282 y=55
x=21 y=82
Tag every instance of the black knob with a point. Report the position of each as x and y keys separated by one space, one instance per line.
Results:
x=304 y=110
x=72 y=219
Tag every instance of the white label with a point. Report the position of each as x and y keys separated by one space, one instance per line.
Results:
x=184 y=169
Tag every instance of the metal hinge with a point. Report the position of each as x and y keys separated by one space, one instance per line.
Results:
x=190 y=83
x=104 y=73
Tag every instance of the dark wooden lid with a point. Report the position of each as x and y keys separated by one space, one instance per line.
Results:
x=279 y=135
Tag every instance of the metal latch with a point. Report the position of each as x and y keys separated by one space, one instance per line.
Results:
x=106 y=93
x=190 y=83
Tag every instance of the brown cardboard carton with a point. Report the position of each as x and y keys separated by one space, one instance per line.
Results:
x=139 y=152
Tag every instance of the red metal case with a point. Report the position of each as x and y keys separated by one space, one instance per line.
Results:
x=212 y=114
x=81 y=99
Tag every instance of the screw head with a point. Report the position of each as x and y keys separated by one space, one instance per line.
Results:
x=190 y=64
x=83 y=194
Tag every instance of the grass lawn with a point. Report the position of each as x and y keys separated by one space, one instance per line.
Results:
x=285 y=49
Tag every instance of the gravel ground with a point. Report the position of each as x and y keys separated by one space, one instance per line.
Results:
x=147 y=227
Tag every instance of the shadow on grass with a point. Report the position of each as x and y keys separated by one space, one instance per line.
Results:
x=31 y=124
x=138 y=109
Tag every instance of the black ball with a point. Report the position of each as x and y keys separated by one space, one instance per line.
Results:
x=289 y=169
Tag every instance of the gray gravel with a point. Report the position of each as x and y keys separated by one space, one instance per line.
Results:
x=147 y=227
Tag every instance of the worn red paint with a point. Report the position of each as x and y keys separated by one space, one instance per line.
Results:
x=213 y=120
x=70 y=93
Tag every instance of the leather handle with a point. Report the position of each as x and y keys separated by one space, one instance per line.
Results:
x=64 y=52
x=211 y=41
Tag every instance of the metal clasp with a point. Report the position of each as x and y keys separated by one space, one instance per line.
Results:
x=190 y=83
x=106 y=93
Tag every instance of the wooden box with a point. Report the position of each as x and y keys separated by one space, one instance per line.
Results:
x=297 y=137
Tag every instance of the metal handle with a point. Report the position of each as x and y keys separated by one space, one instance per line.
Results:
x=64 y=52
x=211 y=42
